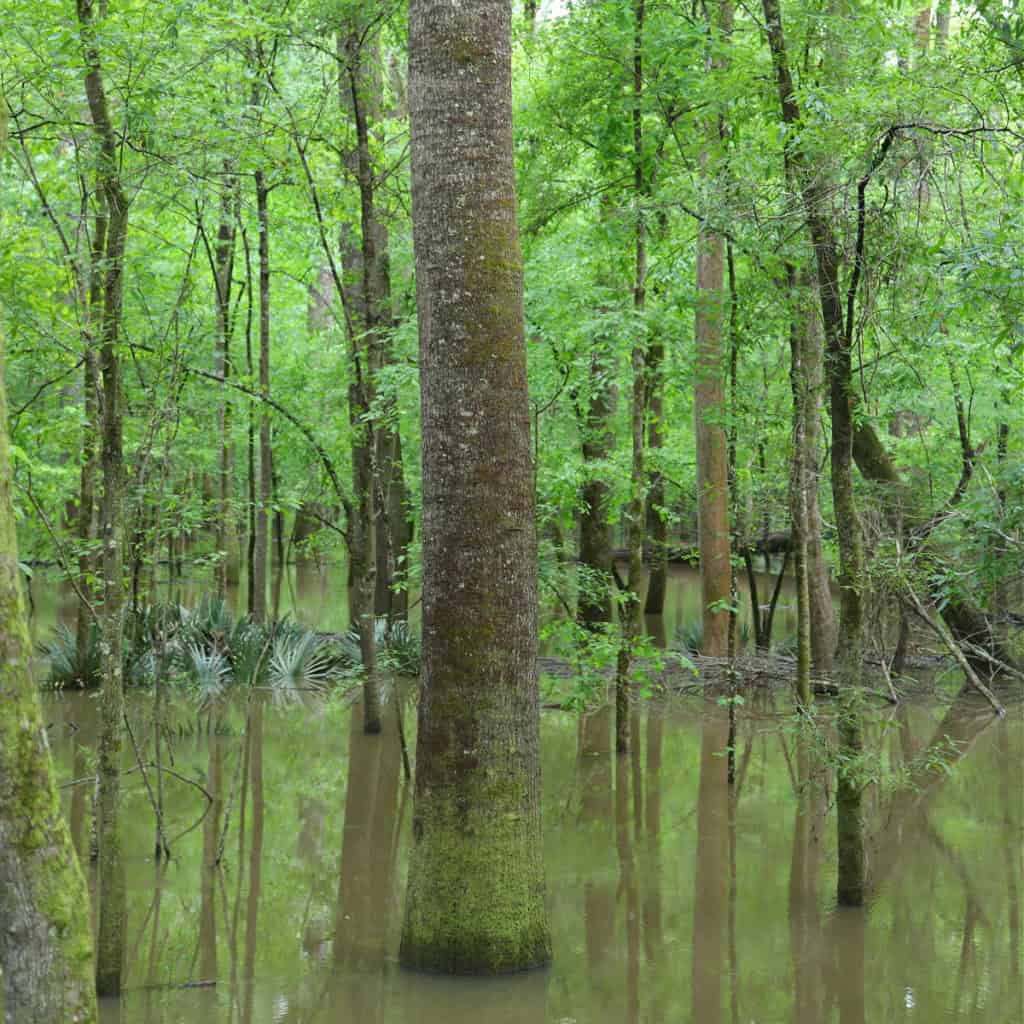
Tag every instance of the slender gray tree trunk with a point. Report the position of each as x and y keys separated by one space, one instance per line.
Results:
x=657 y=524
x=475 y=898
x=594 y=607
x=226 y=540
x=265 y=464
x=111 y=889
x=819 y=583
x=632 y=608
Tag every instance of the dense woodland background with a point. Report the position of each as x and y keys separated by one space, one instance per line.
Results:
x=774 y=301
x=637 y=126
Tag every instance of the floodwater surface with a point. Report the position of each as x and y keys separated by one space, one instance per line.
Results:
x=672 y=896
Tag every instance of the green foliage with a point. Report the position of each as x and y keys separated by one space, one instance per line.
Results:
x=65 y=669
x=208 y=650
x=199 y=111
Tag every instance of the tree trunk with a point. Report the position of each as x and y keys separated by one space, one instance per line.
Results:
x=394 y=530
x=709 y=396
x=227 y=569
x=46 y=955
x=390 y=525
x=85 y=620
x=851 y=883
x=819 y=585
x=657 y=524
x=594 y=606
x=477 y=795
x=265 y=467
x=632 y=606
x=111 y=891
x=366 y=348
x=799 y=485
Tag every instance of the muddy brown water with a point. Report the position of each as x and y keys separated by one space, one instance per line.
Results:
x=671 y=898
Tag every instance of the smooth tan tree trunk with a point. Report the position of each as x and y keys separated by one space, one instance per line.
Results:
x=475 y=897
x=711 y=315
x=46 y=950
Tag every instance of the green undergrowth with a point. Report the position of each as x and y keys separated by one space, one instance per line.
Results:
x=207 y=650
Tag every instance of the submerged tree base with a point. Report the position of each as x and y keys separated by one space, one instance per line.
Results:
x=476 y=888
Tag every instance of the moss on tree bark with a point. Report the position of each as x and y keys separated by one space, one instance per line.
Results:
x=475 y=898
x=46 y=952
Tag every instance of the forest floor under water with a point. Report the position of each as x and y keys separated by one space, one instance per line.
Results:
x=672 y=895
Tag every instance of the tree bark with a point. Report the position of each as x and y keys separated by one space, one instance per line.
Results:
x=657 y=524
x=227 y=569
x=594 y=606
x=46 y=952
x=265 y=464
x=819 y=584
x=365 y=352
x=632 y=607
x=85 y=620
x=799 y=515
x=709 y=395
x=477 y=794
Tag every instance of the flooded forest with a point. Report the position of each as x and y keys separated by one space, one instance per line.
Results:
x=511 y=512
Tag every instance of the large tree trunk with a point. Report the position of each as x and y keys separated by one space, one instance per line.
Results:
x=711 y=311
x=477 y=796
x=45 y=940
x=111 y=888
